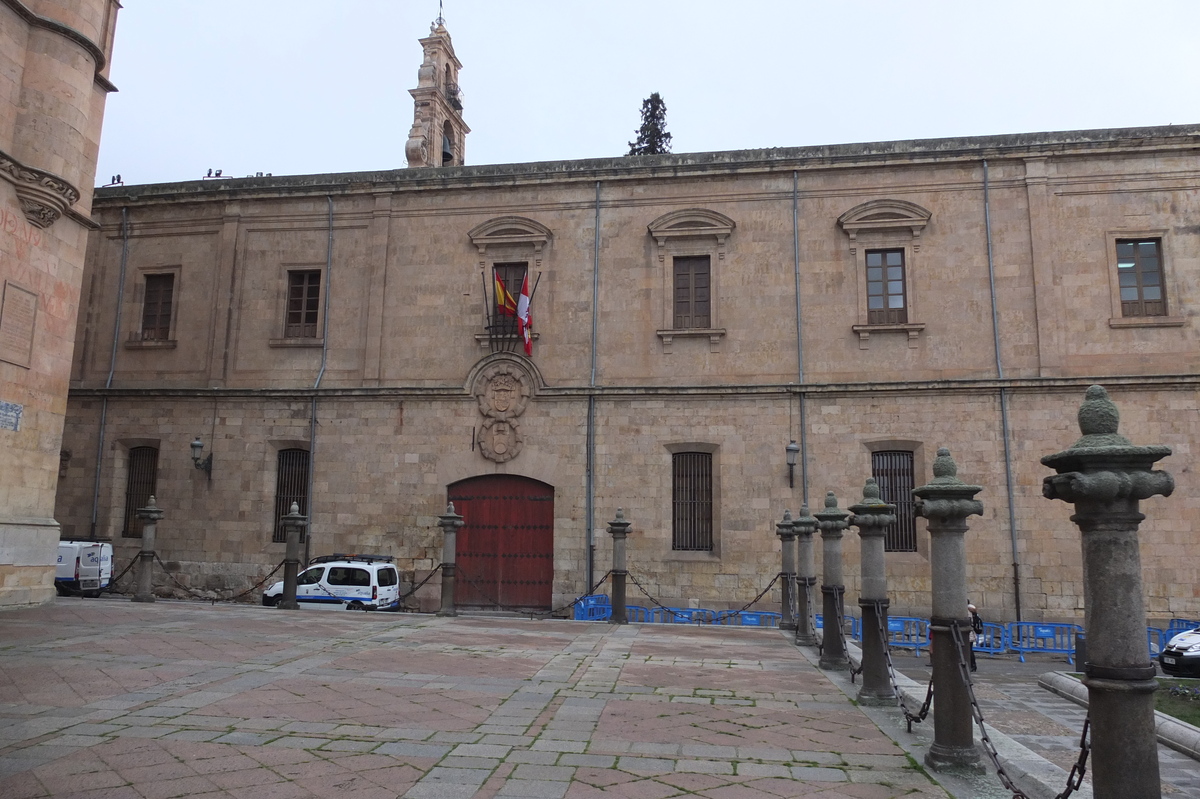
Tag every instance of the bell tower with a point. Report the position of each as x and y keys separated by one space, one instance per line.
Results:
x=439 y=135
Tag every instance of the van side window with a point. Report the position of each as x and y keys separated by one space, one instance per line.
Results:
x=351 y=577
x=387 y=577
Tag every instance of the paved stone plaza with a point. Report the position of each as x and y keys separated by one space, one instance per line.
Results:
x=107 y=698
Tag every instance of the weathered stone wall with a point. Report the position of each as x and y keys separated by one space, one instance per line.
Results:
x=52 y=91
x=396 y=417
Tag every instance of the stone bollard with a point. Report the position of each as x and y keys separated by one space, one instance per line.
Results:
x=149 y=516
x=449 y=522
x=832 y=521
x=1105 y=476
x=787 y=540
x=804 y=526
x=946 y=503
x=872 y=516
x=293 y=524
x=618 y=528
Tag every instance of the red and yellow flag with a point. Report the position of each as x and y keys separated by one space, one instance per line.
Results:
x=506 y=304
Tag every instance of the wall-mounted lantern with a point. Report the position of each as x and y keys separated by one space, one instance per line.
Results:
x=203 y=464
x=792 y=450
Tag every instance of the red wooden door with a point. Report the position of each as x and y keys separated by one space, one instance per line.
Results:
x=505 y=549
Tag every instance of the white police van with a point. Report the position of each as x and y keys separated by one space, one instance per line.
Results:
x=350 y=582
x=84 y=568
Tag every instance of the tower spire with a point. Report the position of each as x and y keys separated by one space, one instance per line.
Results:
x=438 y=135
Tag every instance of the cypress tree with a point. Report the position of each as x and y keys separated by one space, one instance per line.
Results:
x=652 y=136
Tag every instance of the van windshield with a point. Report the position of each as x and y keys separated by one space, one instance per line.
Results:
x=310 y=576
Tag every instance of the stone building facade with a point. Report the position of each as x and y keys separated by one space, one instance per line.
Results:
x=53 y=87
x=350 y=342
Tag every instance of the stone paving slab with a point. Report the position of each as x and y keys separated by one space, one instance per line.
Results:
x=236 y=702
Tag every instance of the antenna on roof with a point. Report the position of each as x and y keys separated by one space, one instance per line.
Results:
x=440 y=19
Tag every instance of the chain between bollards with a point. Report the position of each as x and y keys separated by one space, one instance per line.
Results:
x=214 y=600
x=841 y=613
x=526 y=611
x=909 y=717
x=1078 y=770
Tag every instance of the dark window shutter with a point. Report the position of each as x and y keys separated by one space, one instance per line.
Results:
x=893 y=471
x=692 y=501
x=139 y=486
x=156 y=309
x=304 y=303
x=291 y=485
x=693 y=292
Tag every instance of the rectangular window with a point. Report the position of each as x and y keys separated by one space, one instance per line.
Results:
x=291 y=485
x=156 y=308
x=1139 y=276
x=140 y=485
x=692 y=501
x=693 y=295
x=303 y=303
x=893 y=472
x=886 y=303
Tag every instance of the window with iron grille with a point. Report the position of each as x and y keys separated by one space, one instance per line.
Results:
x=886 y=304
x=692 y=501
x=156 y=307
x=893 y=472
x=303 y=303
x=291 y=485
x=693 y=295
x=506 y=290
x=1139 y=276
x=141 y=480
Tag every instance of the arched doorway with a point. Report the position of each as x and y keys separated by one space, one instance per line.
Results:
x=505 y=551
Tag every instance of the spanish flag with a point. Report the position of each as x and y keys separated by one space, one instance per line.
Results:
x=506 y=305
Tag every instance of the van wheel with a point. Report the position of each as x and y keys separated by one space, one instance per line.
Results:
x=61 y=589
x=92 y=594
x=355 y=606
x=271 y=601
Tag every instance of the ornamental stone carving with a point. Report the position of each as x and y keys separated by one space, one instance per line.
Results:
x=502 y=391
x=43 y=196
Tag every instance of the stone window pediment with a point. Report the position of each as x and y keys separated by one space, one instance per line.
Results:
x=510 y=230
x=883 y=215
x=691 y=223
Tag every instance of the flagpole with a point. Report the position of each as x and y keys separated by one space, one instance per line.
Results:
x=487 y=310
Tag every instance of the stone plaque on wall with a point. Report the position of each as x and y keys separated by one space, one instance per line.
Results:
x=18 y=312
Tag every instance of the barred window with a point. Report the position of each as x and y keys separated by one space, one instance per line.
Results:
x=303 y=304
x=893 y=471
x=886 y=303
x=291 y=485
x=693 y=298
x=1139 y=276
x=140 y=484
x=692 y=501
x=156 y=307
x=506 y=290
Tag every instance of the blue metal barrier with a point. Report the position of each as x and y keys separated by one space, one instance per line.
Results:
x=758 y=618
x=1178 y=626
x=993 y=640
x=595 y=607
x=908 y=632
x=1027 y=636
x=1155 y=640
x=638 y=613
x=684 y=615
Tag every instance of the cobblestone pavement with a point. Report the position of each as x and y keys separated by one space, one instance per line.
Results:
x=107 y=699
x=1046 y=723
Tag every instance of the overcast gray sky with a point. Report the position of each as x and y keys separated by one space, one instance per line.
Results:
x=310 y=86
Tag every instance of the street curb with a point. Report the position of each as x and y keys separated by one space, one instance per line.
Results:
x=1178 y=735
x=1036 y=776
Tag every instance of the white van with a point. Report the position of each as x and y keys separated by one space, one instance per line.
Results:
x=352 y=582
x=84 y=567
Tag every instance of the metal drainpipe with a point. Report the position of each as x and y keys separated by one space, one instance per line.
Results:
x=312 y=416
x=799 y=338
x=112 y=366
x=590 y=502
x=1008 y=478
